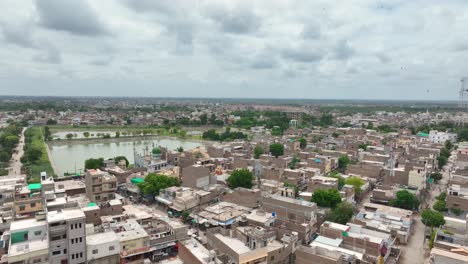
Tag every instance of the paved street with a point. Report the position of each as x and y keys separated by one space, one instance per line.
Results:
x=15 y=163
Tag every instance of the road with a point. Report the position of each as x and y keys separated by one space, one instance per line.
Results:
x=15 y=162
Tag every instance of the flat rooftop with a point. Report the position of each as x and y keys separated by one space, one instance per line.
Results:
x=25 y=224
x=57 y=216
x=26 y=247
x=235 y=244
x=101 y=238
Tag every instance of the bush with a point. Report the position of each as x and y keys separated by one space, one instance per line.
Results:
x=440 y=206
x=456 y=211
x=258 y=151
x=92 y=164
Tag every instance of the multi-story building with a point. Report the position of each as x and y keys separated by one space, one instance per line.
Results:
x=100 y=186
x=440 y=137
x=28 y=242
x=67 y=236
x=28 y=200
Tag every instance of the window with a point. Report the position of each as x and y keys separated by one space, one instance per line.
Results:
x=81 y=254
x=57 y=252
x=37 y=233
x=80 y=225
x=111 y=248
x=21 y=207
x=81 y=239
x=73 y=256
x=33 y=204
x=95 y=251
x=65 y=251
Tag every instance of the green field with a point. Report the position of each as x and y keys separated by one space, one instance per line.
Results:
x=33 y=170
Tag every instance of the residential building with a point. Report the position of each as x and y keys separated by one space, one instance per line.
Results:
x=100 y=186
x=67 y=236
x=28 y=242
x=102 y=248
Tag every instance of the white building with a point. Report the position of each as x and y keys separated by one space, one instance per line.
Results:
x=440 y=137
x=103 y=248
x=28 y=242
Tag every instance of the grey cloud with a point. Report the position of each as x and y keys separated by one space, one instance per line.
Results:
x=49 y=55
x=383 y=58
x=18 y=34
x=263 y=62
x=236 y=21
x=343 y=51
x=302 y=54
x=102 y=61
x=311 y=31
x=75 y=17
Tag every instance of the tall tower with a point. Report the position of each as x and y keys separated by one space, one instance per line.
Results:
x=463 y=93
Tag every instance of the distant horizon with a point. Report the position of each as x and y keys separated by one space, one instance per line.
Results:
x=231 y=98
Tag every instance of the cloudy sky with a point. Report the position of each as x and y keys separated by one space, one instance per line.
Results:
x=353 y=49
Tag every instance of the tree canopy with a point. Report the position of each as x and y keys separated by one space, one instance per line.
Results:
x=277 y=149
x=432 y=218
x=92 y=164
x=341 y=214
x=240 y=178
x=119 y=158
x=153 y=183
x=326 y=198
x=258 y=151
x=405 y=200
x=303 y=143
x=357 y=183
x=343 y=163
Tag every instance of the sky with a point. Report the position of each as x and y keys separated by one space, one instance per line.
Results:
x=321 y=49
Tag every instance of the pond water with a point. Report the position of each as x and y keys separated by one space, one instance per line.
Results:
x=71 y=157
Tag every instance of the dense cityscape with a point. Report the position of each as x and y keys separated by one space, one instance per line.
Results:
x=213 y=181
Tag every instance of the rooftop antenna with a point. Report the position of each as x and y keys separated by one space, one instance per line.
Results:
x=463 y=93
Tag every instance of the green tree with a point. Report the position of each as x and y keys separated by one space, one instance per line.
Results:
x=432 y=218
x=326 y=198
x=213 y=119
x=442 y=161
x=69 y=136
x=182 y=133
x=203 y=119
x=337 y=175
x=444 y=152
x=180 y=149
x=363 y=146
x=185 y=215
x=303 y=143
x=258 y=151
x=357 y=183
x=440 y=206
x=94 y=163
x=86 y=134
x=4 y=156
x=119 y=158
x=448 y=145
x=343 y=163
x=442 y=196
x=117 y=134
x=370 y=125
x=405 y=200
x=437 y=176
x=10 y=141
x=51 y=122
x=462 y=135
x=341 y=214
x=240 y=178
x=33 y=154
x=153 y=183
x=47 y=134
x=277 y=149
x=294 y=161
